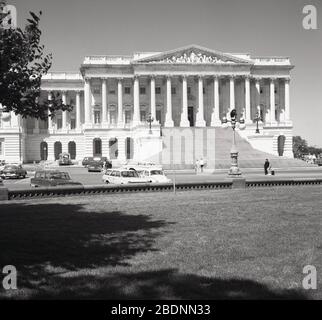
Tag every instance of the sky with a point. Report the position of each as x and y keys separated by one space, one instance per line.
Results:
x=73 y=29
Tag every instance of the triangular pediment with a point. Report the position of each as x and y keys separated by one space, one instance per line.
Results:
x=193 y=54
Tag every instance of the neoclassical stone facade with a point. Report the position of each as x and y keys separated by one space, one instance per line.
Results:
x=115 y=97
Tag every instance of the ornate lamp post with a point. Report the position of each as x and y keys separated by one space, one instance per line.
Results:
x=150 y=120
x=257 y=119
x=234 y=170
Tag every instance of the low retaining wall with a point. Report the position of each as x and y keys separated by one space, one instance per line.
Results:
x=32 y=193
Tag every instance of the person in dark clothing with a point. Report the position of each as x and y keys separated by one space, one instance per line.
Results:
x=266 y=166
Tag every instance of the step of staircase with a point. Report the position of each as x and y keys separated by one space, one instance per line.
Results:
x=248 y=157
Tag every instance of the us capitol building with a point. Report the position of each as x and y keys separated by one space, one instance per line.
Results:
x=162 y=107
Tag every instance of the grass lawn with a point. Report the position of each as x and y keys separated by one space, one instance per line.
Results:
x=224 y=244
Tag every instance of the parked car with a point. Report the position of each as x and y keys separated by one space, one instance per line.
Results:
x=94 y=166
x=100 y=160
x=1 y=182
x=51 y=178
x=155 y=175
x=2 y=164
x=13 y=171
x=123 y=176
x=86 y=161
x=64 y=159
x=319 y=161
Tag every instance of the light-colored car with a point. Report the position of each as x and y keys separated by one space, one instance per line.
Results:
x=155 y=175
x=123 y=176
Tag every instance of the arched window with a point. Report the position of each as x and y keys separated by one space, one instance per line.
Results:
x=72 y=149
x=113 y=146
x=43 y=150
x=280 y=145
x=97 y=147
x=129 y=147
x=57 y=149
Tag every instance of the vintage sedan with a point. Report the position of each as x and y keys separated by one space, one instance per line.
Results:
x=123 y=176
x=52 y=178
x=94 y=166
x=13 y=171
x=155 y=175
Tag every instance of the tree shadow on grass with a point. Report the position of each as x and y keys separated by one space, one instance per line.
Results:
x=161 y=284
x=46 y=238
x=66 y=252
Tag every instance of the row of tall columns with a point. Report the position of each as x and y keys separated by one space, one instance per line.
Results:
x=272 y=99
x=200 y=121
x=64 y=113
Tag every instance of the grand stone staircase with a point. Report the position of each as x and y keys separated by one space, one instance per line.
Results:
x=248 y=157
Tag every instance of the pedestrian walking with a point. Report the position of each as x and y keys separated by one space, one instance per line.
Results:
x=197 y=166
x=202 y=164
x=266 y=166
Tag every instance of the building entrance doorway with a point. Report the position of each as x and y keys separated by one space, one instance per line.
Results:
x=191 y=116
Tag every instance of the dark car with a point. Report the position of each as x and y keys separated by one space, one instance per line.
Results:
x=52 y=178
x=13 y=171
x=86 y=161
x=1 y=182
x=64 y=159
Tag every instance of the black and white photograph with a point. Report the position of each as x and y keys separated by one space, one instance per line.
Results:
x=161 y=150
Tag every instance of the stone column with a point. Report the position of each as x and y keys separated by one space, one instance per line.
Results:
x=272 y=101
x=78 y=111
x=119 y=103
x=50 y=121
x=248 y=118
x=87 y=102
x=184 y=122
x=200 y=121
x=153 y=107
x=231 y=93
x=215 y=116
x=64 y=113
x=104 y=102
x=258 y=95
x=168 y=116
x=287 y=100
x=136 y=101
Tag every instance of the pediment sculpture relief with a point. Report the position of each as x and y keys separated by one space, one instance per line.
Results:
x=192 y=58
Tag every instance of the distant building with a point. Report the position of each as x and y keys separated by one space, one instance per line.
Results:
x=187 y=92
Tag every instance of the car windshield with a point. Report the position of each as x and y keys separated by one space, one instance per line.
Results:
x=129 y=174
x=58 y=175
x=11 y=167
x=156 y=172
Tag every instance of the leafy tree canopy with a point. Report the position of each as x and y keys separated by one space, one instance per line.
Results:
x=22 y=65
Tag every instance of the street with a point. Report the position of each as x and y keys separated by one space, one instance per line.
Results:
x=93 y=178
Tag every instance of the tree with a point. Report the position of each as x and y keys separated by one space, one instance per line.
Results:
x=22 y=65
x=300 y=147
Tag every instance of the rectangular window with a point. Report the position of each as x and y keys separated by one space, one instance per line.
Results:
x=128 y=116
x=1 y=148
x=189 y=90
x=112 y=91
x=158 y=115
x=173 y=90
x=127 y=90
x=72 y=123
x=203 y=90
x=157 y=90
x=97 y=90
x=142 y=90
x=143 y=115
x=113 y=117
x=97 y=117
x=59 y=123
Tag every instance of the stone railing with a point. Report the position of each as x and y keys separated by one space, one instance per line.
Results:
x=272 y=60
x=107 y=59
x=49 y=192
